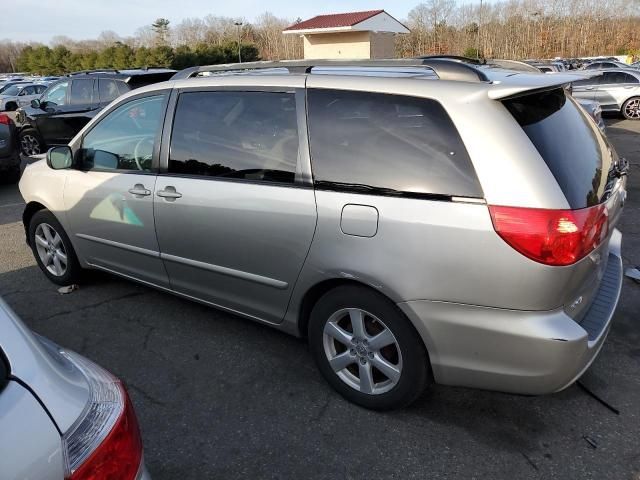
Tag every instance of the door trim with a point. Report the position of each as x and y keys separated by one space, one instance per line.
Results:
x=123 y=246
x=252 y=277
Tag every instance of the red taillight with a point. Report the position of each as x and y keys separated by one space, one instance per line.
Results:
x=120 y=453
x=5 y=119
x=104 y=443
x=552 y=237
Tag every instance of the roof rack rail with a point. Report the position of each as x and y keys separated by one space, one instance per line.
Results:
x=99 y=70
x=444 y=68
x=457 y=58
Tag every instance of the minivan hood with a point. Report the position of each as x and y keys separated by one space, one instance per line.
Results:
x=36 y=362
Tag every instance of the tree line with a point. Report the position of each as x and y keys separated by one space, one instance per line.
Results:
x=513 y=29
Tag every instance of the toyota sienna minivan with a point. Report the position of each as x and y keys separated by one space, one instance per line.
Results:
x=418 y=221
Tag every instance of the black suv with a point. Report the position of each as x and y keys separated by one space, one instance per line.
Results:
x=68 y=104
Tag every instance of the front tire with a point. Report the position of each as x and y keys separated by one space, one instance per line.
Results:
x=631 y=109
x=367 y=349
x=30 y=142
x=52 y=249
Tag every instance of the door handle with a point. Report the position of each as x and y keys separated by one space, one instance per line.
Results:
x=169 y=193
x=139 y=190
x=589 y=88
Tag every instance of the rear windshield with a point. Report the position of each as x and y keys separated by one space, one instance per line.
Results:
x=572 y=146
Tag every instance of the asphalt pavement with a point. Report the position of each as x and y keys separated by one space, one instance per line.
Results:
x=220 y=397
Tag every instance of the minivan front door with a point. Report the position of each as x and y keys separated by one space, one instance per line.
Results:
x=109 y=196
x=233 y=217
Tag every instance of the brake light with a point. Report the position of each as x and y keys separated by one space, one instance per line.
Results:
x=5 y=119
x=552 y=237
x=104 y=443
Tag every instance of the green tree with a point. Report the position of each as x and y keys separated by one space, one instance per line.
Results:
x=184 y=57
x=161 y=29
x=161 y=56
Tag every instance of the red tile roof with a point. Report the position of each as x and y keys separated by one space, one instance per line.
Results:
x=335 y=20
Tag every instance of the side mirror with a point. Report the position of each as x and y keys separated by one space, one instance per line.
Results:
x=59 y=158
x=35 y=103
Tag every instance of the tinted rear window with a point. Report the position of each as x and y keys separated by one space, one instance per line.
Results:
x=570 y=144
x=387 y=142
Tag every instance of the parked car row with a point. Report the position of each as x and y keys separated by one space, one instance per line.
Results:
x=68 y=104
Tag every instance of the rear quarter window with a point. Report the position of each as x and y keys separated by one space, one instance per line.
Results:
x=391 y=143
x=572 y=146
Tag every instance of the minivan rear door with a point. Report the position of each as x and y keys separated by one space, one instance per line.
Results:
x=234 y=210
x=586 y=168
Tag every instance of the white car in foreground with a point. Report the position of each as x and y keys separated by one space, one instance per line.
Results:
x=61 y=416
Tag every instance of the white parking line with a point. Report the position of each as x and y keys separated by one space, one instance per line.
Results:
x=11 y=205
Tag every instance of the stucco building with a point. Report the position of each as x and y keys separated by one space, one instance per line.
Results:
x=367 y=34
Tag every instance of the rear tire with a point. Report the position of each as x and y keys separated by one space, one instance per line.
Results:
x=631 y=109
x=30 y=142
x=52 y=249
x=367 y=349
x=11 y=107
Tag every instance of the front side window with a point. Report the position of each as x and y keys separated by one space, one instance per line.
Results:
x=125 y=138
x=57 y=94
x=387 y=144
x=81 y=92
x=235 y=135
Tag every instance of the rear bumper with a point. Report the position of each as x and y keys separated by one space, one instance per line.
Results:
x=526 y=352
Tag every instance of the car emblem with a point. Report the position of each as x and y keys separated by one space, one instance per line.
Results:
x=577 y=302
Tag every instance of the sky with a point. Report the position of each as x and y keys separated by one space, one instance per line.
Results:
x=40 y=20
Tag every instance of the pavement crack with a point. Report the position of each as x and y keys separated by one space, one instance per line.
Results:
x=323 y=409
x=94 y=305
x=529 y=461
x=147 y=396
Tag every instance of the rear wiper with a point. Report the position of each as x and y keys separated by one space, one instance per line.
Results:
x=372 y=190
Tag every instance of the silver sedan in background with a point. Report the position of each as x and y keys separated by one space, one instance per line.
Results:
x=61 y=416
x=616 y=90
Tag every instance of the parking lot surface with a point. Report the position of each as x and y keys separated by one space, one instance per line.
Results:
x=218 y=396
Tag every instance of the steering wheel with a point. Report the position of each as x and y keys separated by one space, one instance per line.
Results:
x=138 y=152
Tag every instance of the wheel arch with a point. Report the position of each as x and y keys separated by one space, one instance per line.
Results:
x=30 y=210
x=315 y=292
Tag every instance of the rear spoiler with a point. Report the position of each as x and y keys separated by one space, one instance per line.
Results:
x=512 y=84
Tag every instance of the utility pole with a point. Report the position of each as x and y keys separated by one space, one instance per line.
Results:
x=478 y=32
x=239 y=25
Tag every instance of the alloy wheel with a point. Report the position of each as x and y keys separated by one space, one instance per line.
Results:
x=362 y=351
x=632 y=109
x=51 y=250
x=29 y=145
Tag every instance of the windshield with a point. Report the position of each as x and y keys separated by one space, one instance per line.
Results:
x=6 y=87
x=572 y=146
x=12 y=90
